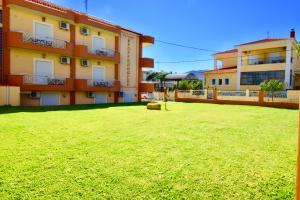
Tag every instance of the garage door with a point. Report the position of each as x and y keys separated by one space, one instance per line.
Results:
x=100 y=98
x=49 y=99
x=128 y=97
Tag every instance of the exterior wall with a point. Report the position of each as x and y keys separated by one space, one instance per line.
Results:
x=87 y=72
x=109 y=37
x=129 y=65
x=9 y=95
x=81 y=98
x=263 y=67
x=223 y=76
x=64 y=99
x=249 y=87
x=22 y=20
x=228 y=59
x=22 y=62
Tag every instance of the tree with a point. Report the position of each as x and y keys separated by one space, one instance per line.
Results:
x=272 y=86
x=184 y=85
x=190 y=85
x=157 y=76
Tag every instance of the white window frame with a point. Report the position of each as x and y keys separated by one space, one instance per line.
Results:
x=98 y=66
x=212 y=81
x=39 y=22
x=225 y=81
x=96 y=36
x=253 y=59
x=274 y=56
x=45 y=60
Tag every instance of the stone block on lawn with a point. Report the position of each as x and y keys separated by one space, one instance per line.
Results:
x=153 y=106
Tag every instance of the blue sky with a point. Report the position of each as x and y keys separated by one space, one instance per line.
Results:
x=213 y=24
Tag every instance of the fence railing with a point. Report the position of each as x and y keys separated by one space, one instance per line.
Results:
x=44 y=41
x=289 y=96
x=103 y=52
x=269 y=60
x=100 y=83
x=43 y=80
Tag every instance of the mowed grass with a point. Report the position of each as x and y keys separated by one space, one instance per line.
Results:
x=192 y=151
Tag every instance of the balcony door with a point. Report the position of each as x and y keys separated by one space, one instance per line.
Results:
x=43 y=31
x=98 y=73
x=43 y=71
x=98 y=44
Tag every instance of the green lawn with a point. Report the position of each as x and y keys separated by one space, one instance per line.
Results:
x=192 y=151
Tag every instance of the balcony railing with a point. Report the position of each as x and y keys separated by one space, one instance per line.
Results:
x=100 y=83
x=103 y=52
x=270 y=60
x=43 y=80
x=44 y=41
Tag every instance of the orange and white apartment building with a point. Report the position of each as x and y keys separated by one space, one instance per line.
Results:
x=249 y=64
x=58 y=56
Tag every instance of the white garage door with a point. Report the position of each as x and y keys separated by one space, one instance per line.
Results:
x=128 y=97
x=100 y=98
x=49 y=99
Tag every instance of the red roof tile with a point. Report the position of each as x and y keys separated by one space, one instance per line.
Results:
x=227 y=51
x=263 y=41
x=222 y=70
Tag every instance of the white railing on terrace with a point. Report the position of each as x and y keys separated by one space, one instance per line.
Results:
x=100 y=83
x=103 y=52
x=43 y=80
x=44 y=41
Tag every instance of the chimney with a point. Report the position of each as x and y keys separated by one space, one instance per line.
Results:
x=292 y=33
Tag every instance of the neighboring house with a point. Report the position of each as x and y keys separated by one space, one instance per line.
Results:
x=174 y=79
x=198 y=73
x=249 y=64
x=58 y=56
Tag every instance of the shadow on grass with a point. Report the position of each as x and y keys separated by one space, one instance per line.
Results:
x=10 y=109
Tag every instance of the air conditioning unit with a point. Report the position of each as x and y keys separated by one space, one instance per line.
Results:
x=90 y=94
x=65 y=60
x=35 y=95
x=84 y=31
x=84 y=62
x=64 y=25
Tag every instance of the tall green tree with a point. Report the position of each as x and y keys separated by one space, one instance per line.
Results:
x=272 y=86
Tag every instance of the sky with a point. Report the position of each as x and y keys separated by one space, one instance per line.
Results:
x=207 y=24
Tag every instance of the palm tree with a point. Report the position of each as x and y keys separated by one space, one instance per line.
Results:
x=157 y=76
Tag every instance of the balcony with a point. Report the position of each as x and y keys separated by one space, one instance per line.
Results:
x=146 y=87
x=101 y=54
x=28 y=41
x=41 y=83
x=147 y=62
x=91 y=85
x=261 y=61
x=147 y=40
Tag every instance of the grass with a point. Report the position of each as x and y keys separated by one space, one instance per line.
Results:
x=192 y=151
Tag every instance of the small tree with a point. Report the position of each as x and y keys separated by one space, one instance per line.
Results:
x=272 y=86
x=184 y=85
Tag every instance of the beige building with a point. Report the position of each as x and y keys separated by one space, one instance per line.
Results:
x=249 y=64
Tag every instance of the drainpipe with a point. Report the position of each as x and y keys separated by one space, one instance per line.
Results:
x=7 y=95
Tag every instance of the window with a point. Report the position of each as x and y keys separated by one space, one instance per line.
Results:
x=274 y=57
x=226 y=81
x=220 y=81
x=213 y=81
x=253 y=60
x=255 y=78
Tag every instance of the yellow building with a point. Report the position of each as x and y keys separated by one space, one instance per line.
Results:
x=58 y=56
x=249 y=64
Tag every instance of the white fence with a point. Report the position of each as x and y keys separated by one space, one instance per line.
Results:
x=289 y=96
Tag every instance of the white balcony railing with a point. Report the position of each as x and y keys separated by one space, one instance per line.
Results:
x=103 y=52
x=43 y=80
x=44 y=41
x=100 y=83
